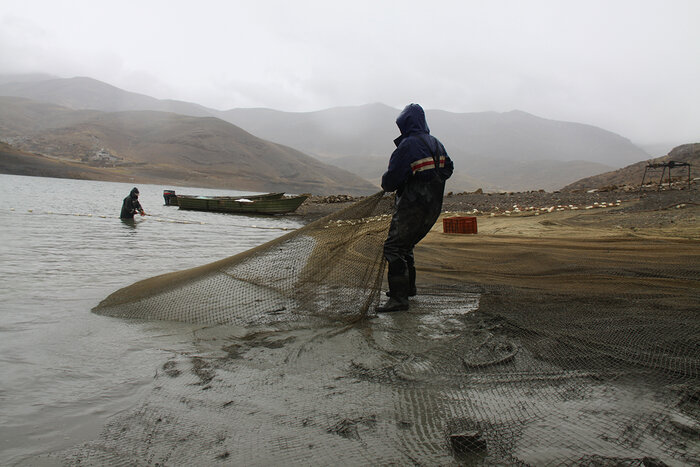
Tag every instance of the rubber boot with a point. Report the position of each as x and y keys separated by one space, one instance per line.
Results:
x=412 y=291
x=412 y=280
x=398 y=288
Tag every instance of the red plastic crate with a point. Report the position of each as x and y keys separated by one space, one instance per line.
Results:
x=462 y=225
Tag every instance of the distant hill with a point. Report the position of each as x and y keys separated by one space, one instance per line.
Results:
x=161 y=147
x=632 y=174
x=21 y=116
x=367 y=130
x=16 y=162
x=495 y=151
x=25 y=77
x=530 y=175
x=660 y=149
x=87 y=93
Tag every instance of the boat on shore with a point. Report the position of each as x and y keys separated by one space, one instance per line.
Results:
x=268 y=203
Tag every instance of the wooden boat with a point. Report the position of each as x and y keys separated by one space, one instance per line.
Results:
x=270 y=203
x=171 y=197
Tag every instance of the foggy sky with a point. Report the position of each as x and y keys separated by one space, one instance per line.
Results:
x=632 y=67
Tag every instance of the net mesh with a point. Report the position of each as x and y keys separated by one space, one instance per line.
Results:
x=329 y=269
x=590 y=357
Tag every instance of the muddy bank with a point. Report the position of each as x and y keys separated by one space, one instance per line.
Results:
x=550 y=337
x=544 y=249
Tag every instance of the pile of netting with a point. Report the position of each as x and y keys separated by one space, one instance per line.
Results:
x=603 y=368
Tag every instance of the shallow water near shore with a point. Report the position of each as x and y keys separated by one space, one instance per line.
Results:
x=64 y=249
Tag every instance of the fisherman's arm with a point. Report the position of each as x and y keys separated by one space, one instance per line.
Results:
x=137 y=207
x=398 y=171
x=448 y=169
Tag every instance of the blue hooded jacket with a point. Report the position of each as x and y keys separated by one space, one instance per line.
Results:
x=416 y=153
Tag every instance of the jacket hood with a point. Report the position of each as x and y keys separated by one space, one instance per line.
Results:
x=134 y=192
x=412 y=120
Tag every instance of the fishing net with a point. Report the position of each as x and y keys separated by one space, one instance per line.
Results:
x=581 y=352
x=329 y=269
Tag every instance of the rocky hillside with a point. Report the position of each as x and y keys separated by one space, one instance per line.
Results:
x=16 y=162
x=494 y=151
x=631 y=176
x=159 y=147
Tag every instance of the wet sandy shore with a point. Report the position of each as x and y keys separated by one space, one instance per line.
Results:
x=558 y=250
x=550 y=337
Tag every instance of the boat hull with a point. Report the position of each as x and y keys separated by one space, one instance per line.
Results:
x=171 y=197
x=277 y=204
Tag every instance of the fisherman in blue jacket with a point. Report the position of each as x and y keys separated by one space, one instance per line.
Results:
x=417 y=171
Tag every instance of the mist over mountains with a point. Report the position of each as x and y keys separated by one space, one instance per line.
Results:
x=512 y=151
x=158 y=147
x=494 y=151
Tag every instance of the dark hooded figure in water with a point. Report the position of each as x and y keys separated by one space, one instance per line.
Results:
x=131 y=205
x=417 y=172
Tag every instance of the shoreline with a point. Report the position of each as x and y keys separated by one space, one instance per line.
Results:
x=540 y=203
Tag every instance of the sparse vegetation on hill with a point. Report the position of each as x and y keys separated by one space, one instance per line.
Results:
x=158 y=147
x=630 y=177
x=16 y=162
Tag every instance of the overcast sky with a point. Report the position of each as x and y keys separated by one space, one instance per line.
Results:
x=632 y=67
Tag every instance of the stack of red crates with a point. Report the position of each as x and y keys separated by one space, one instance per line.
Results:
x=463 y=225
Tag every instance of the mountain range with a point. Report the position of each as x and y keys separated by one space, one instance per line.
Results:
x=163 y=148
x=348 y=146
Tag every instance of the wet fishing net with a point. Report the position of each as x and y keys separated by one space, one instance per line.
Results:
x=569 y=352
x=329 y=269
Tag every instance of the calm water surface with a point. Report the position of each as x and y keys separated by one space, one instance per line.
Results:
x=62 y=250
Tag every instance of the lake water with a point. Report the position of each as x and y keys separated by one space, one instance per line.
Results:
x=63 y=249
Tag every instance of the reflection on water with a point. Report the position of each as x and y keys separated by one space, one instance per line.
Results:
x=63 y=249
x=130 y=223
